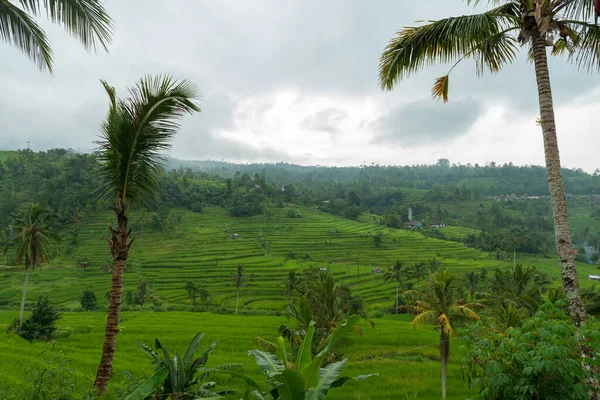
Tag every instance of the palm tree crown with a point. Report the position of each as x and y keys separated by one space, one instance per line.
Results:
x=492 y=39
x=87 y=20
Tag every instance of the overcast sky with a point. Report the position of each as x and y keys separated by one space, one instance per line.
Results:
x=296 y=81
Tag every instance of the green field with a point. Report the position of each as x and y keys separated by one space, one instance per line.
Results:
x=4 y=154
x=407 y=360
x=201 y=249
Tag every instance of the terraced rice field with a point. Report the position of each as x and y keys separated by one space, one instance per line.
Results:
x=201 y=249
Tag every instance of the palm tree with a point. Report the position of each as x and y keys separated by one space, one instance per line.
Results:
x=419 y=270
x=396 y=273
x=33 y=235
x=87 y=20
x=291 y=283
x=239 y=280
x=134 y=134
x=440 y=304
x=493 y=39
x=472 y=281
x=433 y=264
x=521 y=286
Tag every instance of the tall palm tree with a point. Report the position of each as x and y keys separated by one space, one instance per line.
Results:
x=33 y=235
x=492 y=39
x=396 y=273
x=135 y=132
x=239 y=280
x=521 y=286
x=87 y=20
x=440 y=304
x=291 y=282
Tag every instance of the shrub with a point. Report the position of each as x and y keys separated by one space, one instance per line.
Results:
x=41 y=325
x=540 y=360
x=88 y=301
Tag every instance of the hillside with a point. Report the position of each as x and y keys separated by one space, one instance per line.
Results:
x=201 y=249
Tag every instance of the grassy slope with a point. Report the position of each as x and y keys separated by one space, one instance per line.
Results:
x=407 y=361
x=201 y=250
x=4 y=154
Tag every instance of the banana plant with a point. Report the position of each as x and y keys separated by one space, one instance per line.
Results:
x=180 y=378
x=307 y=379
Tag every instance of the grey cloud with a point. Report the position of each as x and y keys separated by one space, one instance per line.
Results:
x=425 y=122
x=327 y=120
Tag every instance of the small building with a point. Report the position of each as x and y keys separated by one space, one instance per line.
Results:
x=437 y=224
x=83 y=264
x=377 y=270
x=414 y=224
x=594 y=277
x=322 y=269
x=235 y=236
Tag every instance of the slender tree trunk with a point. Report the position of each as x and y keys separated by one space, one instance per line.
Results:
x=515 y=256
x=119 y=246
x=237 y=301
x=397 y=305
x=24 y=295
x=562 y=229
x=444 y=355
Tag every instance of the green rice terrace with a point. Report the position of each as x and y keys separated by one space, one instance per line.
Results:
x=206 y=248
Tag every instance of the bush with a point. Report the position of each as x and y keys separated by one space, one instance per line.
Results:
x=540 y=360
x=88 y=301
x=41 y=325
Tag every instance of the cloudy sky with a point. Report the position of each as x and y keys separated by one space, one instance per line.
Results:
x=295 y=81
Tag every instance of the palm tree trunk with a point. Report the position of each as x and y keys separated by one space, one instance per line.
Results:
x=444 y=355
x=120 y=250
x=555 y=183
x=562 y=229
x=24 y=295
x=397 y=305
x=237 y=301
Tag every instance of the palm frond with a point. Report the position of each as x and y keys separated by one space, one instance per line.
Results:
x=19 y=29
x=136 y=132
x=86 y=20
x=428 y=317
x=445 y=41
x=463 y=312
x=586 y=51
x=440 y=88
x=580 y=10
x=445 y=324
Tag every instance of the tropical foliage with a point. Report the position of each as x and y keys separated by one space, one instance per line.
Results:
x=539 y=360
x=87 y=20
x=308 y=377
x=180 y=378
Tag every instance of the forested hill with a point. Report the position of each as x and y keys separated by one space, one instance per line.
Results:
x=490 y=179
x=459 y=195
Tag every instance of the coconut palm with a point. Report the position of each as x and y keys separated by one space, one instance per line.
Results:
x=472 y=281
x=440 y=304
x=239 y=280
x=291 y=283
x=493 y=39
x=133 y=136
x=87 y=20
x=396 y=273
x=33 y=236
x=419 y=270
